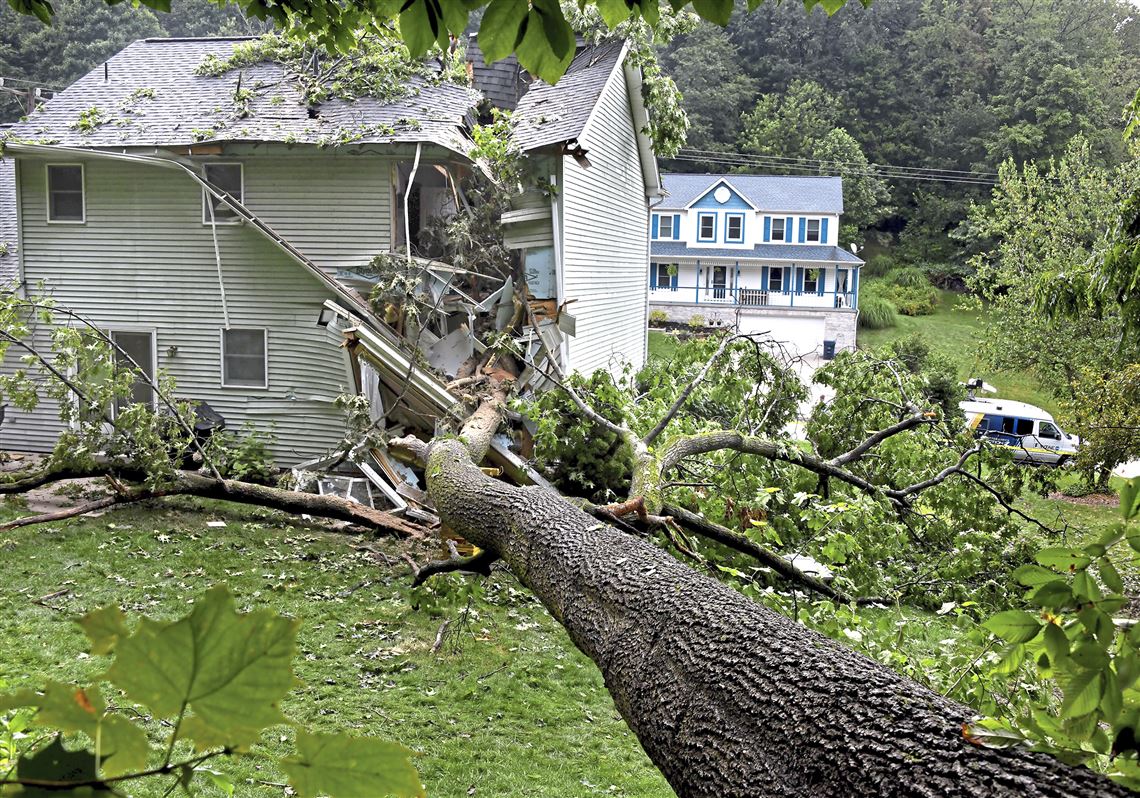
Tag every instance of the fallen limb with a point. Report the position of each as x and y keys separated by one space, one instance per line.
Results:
x=188 y=484
x=477 y=563
x=737 y=542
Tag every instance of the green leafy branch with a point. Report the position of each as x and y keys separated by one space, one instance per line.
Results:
x=220 y=675
x=1072 y=639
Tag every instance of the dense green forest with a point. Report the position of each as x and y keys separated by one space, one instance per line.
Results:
x=923 y=84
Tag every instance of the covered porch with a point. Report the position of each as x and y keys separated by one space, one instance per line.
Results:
x=827 y=286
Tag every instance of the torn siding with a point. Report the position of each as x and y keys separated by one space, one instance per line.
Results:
x=605 y=221
x=144 y=261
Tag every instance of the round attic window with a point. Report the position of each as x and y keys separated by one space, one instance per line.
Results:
x=722 y=194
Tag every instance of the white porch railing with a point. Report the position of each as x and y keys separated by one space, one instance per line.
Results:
x=751 y=297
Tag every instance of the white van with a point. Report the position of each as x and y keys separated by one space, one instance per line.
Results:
x=1031 y=432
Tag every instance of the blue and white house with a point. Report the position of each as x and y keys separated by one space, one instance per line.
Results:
x=757 y=252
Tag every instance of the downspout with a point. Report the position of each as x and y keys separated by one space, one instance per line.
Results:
x=407 y=196
x=218 y=260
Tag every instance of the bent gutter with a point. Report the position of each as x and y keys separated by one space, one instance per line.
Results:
x=179 y=165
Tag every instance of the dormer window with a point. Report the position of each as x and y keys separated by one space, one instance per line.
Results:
x=778 y=229
x=706 y=227
x=734 y=228
x=813 y=231
x=665 y=226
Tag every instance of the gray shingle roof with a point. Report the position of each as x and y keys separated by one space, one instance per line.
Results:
x=503 y=83
x=187 y=108
x=8 y=265
x=765 y=252
x=553 y=114
x=791 y=193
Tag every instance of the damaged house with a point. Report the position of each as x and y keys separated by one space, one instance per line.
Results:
x=223 y=221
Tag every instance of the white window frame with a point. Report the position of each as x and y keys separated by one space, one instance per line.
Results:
x=781 y=289
x=222 y=357
x=82 y=193
x=661 y=219
x=818 y=231
x=663 y=268
x=153 y=333
x=728 y=218
x=700 y=219
x=207 y=196
x=783 y=228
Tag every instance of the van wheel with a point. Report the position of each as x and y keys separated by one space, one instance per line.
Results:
x=1062 y=460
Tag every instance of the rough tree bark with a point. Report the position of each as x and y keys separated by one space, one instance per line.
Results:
x=728 y=698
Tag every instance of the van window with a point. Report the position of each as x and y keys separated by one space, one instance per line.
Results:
x=990 y=422
x=1024 y=426
x=1049 y=431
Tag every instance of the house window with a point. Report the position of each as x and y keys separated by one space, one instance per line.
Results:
x=227 y=178
x=139 y=348
x=664 y=279
x=811 y=281
x=665 y=226
x=776 y=279
x=706 y=227
x=65 y=193
x=734 y=228
x=813 y=231
x=778 y=229
x=244 y=359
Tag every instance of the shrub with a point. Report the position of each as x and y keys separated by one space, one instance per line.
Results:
x=907 y=299
x=878 y=265
x=908 y=277
x=696 y=320
x=951 y=276
x=657 y=318
x=876 y=313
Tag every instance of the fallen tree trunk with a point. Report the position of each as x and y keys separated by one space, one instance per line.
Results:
x=728 y=698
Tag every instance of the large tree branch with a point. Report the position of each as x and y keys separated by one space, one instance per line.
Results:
x=188 y=484
x=737 y=542
x=915 y=419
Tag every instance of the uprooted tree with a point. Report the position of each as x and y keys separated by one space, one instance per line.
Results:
x=727 y=696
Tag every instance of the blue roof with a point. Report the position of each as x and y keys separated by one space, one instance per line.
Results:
x=792 y=193
x=819 y=253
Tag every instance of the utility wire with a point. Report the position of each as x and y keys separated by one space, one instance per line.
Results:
x=813 y=166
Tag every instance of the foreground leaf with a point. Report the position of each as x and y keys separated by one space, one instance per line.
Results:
x=1014 y=626
x=226 y=668
x=351 y=767
x=104 y=628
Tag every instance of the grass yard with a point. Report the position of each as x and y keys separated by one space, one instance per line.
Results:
x=954 y=331
x=508 y=707
x=662 y=344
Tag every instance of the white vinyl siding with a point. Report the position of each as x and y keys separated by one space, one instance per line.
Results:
x=66 y=202
x=605 y=223
x=144 y=260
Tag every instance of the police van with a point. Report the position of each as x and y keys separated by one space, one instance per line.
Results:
x=1028 y=430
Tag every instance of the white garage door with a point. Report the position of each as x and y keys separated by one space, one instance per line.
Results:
x=802 y=335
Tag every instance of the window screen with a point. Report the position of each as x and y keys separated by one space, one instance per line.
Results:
x=65 y=193
x=776 y=278
x=664 y=279
x=735 y=229
x=811 y=281
x=813 y=230
x=226 y=177
x=243 y=358
x=665 y=226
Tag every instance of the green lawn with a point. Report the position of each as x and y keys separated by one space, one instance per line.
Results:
x=508 y=707
x=662 y=344
x=954 y=331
